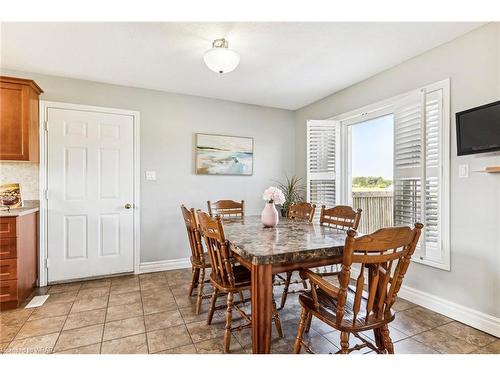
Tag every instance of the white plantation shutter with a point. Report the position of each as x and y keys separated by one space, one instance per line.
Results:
x=408 y=169
x=322 y=142
x=433 y=161
x=408 y=133
x=420 y=181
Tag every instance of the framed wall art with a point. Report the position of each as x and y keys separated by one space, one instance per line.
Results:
x=224 y=155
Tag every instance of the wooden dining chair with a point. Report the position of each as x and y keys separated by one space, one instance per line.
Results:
x=226 y=208
x=337 y=217
x=299 y=211
x=199 y=259
x=341 y=218
x=302 y=211
x=227 y=277
x=385 y=256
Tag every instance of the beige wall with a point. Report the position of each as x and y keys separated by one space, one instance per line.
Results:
x=472 y=62
x=168 y=124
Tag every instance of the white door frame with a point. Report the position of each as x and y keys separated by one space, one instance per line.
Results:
x=44 y=107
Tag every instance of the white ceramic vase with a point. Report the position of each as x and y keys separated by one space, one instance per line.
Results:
x=269 y=216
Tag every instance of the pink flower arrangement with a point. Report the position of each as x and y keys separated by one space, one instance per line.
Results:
x=273 y=195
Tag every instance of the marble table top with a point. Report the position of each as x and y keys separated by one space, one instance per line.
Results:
x=290 y=241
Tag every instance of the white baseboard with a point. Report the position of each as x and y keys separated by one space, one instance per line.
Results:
x=464 y=314
x=164 y=265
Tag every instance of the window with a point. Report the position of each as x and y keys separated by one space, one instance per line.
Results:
x=421 y=164
x=421 y=169
x=370 y=181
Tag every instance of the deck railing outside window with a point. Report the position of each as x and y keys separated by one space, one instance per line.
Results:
x=377 y=209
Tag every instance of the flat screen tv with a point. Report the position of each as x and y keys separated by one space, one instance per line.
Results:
x=478 y=129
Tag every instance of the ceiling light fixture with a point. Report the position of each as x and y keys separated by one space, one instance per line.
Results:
x=220 y=58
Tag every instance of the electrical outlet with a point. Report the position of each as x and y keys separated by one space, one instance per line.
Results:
x=151 y=175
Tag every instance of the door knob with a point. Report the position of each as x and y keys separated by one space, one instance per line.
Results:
x=128 y=206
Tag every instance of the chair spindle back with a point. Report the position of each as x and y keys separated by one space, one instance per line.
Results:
x=193 y=233
x=220 y=256
x=385 y=255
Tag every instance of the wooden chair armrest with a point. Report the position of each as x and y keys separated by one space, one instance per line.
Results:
x=324 y=285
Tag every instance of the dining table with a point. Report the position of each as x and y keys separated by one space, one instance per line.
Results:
x=289 y=246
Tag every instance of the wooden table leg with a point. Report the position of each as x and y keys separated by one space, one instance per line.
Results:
x=262 y=291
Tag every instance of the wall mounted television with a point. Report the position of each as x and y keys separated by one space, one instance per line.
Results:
x=478 y=129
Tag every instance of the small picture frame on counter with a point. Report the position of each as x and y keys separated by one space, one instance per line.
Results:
x=10 y=196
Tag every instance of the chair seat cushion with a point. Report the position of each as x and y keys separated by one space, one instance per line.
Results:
x=242 y=279
x=242 y=275
x=328 y=310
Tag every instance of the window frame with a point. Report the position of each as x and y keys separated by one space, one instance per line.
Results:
x=385 y=107
x=345 y=185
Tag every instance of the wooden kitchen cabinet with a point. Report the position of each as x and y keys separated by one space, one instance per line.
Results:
x=18 y=258
x=19 y=99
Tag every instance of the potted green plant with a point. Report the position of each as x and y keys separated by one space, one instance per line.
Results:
x=294 y=191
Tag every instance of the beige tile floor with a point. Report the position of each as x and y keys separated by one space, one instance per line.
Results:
x=151 y=313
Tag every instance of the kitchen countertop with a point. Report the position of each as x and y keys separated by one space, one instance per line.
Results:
x=28 y=208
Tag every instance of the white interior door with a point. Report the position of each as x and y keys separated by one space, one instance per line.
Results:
x=90 y=183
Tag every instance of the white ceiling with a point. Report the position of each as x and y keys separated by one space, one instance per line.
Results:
x=284 y=65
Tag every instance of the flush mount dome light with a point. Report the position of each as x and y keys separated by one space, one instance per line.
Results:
x=220 y=58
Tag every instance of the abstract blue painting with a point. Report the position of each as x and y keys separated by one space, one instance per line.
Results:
x=224 y=155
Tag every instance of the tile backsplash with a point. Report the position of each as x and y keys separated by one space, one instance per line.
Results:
x=26 y=174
